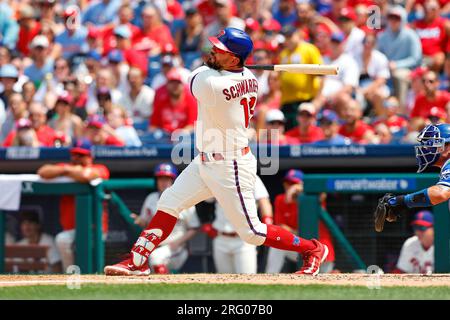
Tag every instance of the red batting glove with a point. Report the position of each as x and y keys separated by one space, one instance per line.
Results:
x=267 y=220
x=209 y=230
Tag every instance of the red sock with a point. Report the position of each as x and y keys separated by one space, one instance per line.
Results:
x=280 y=238
x=157 y=231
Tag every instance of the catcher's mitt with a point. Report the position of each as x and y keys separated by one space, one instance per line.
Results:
x=386 y=212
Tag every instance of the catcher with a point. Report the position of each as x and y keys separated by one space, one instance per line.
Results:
x=433 y=150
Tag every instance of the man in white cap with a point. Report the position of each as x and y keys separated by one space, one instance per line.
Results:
x=274 y=131
x=306 y=130
x=224 y=18
x=42 y=63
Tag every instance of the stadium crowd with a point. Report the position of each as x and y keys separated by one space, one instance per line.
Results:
x=115 y=72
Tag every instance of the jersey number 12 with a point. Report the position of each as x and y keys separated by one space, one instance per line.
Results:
x=249 y=109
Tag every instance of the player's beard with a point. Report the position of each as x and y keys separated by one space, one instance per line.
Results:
x=213 y=64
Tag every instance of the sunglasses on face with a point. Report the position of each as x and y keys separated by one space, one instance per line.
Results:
x=60 y=67
x=394 y=18
x=305 y=114
x=429 y=80
x=420 y=228
x=325 y=123
x=36 y=115
x=275 y=123
x=259 y=58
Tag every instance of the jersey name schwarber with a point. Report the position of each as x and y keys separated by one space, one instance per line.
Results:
x=240 y=89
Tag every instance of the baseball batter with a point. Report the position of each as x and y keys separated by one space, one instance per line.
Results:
x=225 y=168
x=231 y=254
x=172 y=252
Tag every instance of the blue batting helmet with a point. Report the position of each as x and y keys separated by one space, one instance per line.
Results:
x=432 y=140
x=166 y=170
x=234 y=41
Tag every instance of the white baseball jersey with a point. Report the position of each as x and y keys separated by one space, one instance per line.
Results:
x=221 y=223
x=226 y=102
x=188 y=218
x=414 y=258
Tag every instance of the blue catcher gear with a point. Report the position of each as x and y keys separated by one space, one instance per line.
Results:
x=234 y=41
x=166 y=170
x=432 y=140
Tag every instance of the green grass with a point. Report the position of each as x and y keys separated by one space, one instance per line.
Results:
x=220 y=292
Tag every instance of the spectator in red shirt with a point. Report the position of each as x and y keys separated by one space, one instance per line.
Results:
x=274 y=131
x=153 y=34
x=132 y=55
x=174 y=107
x=322 y=40
x=432 y=97
x=81 y=169
x=99 y=133
x=96 y=40
x=64 y=121
x=23 y=135
x=29 y=28
x=306 y=17
x=392 y=119
x=335 y=12
x=125 y=15
x=354 y=128
x=286 y=216
x=416 y=89
x=433 y=31
x=207 y=10
x=44 y=134
x=306 y=131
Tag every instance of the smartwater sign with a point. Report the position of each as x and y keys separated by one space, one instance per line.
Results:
x=371 y=184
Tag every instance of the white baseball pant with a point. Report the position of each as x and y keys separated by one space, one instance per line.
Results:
x=231 y=182
x=233 y=255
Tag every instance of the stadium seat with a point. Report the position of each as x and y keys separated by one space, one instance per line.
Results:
x=26 y=258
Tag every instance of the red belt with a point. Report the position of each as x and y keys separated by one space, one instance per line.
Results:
x=219 y=156
x=228 y=234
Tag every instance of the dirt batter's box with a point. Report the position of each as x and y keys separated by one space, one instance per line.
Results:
x=315 y=184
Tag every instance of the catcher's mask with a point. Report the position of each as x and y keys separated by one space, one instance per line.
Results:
x=432 y=140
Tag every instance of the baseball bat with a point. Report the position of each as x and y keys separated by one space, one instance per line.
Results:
x=316 y=69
